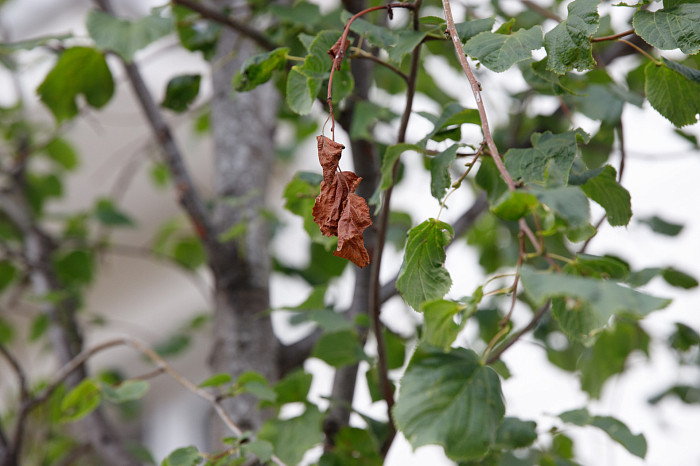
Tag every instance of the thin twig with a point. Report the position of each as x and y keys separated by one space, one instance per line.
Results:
x=188 y=196
x=343 y=45
x=228 y=21
x=359 y=53
x=640 y=50
x=623 y=150
x=496 y=355
x=541 y=10
x=17 y=368
x=613 y=37
x=161 y=364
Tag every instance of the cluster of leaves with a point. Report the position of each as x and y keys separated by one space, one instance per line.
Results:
x=450 y=391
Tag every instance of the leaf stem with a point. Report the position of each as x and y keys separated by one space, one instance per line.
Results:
x=343 y=45
x=496 y=355
x=457 y=184
x=360 y=53
x=642 y=51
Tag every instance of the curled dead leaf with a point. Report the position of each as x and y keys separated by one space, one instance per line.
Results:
x=338 y=211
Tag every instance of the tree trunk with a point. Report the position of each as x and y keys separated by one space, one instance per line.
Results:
x=243 y=128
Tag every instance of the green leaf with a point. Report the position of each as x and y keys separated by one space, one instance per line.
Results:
x=604 y=267
x=301 y=90
x=568 y=45
x=129 y=390
x=568 y=203
x=294 y=387
x=300 y=196
x=261 y=449
x=391 y=155
x=395 y=349
x=40 y=324
x=693 y=75
x=605 y=101
x=186 y=456
x=195 y=33
x=439 y=327
x=686 y=393
x=672 y=94
x=109 y=215
x=661 y=226
x=74 y=267
x=683 y=338
x=339 y=348
x=7 y=274
x=365 y=116
x=450 y=399
x=609 y=355
x=498 y=52
x=173 y=345
x=605 y=297
x=62 y=152
x=516 y=433
x=181 y=92
x=423 y=276
x=453 y=115
x=440 y=171
x=6 y=332
x=352 y=447
x=259 y=68
x=80 y=401
x=256 y=384
x=217 y=380
x=606 y=191
x=469 y=29
x=79 y=70
x=675 y=277
x=616 y=429
x=291 y=438
x=398 y=43
x=513 y=205
x=127 y=37
x=189 y=253
x=670 y=28
x=547 y=163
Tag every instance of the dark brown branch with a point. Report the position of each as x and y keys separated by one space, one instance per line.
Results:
x=188 y=196
x=374 y=286
x=228 y=21
x=496 y=355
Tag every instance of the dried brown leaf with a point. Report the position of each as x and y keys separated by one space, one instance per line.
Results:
x=353 y=222
x=335 y=49
x=338 y=211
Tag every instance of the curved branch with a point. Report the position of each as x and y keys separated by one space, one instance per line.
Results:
x=228 y=21
x=496 y=355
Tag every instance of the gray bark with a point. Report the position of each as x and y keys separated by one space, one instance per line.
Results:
x=243 y=128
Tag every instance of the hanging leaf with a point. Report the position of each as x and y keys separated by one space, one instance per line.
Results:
x=469 y=29
x=568 y=45
x=548 y=162
x=615 y=199
x=423 y=276
x=259 y=68
x=79 y=70
x=672 y=94
x=605 y=297
x=616 y=429
x=450 y=399
x=338 y=211
x=661 y=226
x=498 y=52
x=291 y=438
x=181 y=92
x=127 y=37
x=670 y=28
x=440 y=171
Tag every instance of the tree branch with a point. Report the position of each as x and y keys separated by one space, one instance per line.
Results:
x=188 y=196
x=226 y=20
x=496 y=355
x=78 y=362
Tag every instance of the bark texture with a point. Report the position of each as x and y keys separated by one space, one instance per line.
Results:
x=243 y=128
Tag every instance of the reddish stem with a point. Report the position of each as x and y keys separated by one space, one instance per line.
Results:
x=338 y=58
